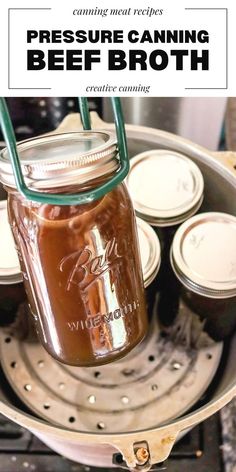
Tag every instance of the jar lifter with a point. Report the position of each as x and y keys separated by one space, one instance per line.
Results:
x=71 y=199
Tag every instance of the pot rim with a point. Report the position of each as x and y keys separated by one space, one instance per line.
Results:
x=175 y=426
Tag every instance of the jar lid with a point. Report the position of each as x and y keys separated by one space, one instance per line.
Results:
x=203 y=254
x=10 y=272
x=63 y=159
x=166 y=187
x=150 y=251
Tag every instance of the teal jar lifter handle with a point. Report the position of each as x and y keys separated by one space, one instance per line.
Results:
x=72 y=199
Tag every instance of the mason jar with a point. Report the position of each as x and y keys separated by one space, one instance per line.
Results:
x=12 y=293
x=150 y=251
x=166 y=188
x=203 y=258
x=81 y=263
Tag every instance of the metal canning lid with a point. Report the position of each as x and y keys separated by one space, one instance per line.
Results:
x=150 y=251
x=59 y=160
x=166 y=187
x=203 y=254
x=10 y=272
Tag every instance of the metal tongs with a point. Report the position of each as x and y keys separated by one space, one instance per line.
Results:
x=71 y=199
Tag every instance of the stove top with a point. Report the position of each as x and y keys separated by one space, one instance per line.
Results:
x=20 y=451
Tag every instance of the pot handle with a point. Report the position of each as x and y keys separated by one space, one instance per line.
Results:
x=148 y=452
x=227 y=158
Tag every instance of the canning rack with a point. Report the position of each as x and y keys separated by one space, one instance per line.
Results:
x=166 y=374
x=71 y=199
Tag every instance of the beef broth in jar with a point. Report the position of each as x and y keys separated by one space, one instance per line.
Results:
x=12 y=293
x=203 y=258
x=81 y=262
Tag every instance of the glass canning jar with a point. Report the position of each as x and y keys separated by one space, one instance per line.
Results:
x=81 y=263
x=203 y=258
x=12 y=292
x=166 y=188
x=150 y=250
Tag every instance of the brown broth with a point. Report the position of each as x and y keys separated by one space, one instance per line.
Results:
x=219 y=315
x=83 y=276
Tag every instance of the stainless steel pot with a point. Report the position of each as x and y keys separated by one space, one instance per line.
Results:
x=143 y=448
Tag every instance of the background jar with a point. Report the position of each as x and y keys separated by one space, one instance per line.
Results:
x=203 y=258
x=12 y=293
x=81 y=263
x=150 y=251
x=166 y=188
